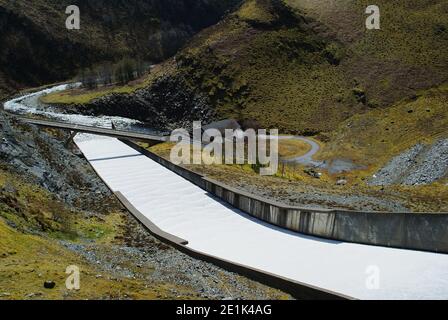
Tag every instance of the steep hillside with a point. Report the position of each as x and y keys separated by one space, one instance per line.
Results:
x=264 y=62
x=36 y=48
x=306 y=66
x=309 y=71
x=374 y=137
x=408 y=54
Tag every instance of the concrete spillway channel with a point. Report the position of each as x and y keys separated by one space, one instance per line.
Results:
x=190 y=217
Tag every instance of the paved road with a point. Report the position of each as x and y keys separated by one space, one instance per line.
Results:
x=306 y=159
x=182 y=209
x=333 y=166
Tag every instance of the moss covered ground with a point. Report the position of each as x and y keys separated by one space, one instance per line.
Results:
x=33 y=225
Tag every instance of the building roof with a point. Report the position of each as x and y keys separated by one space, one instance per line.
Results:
x=223 y=125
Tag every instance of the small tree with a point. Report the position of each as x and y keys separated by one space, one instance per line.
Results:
x=106 y=73
x=90 y=79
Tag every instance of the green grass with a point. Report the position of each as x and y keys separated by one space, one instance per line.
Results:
x=78 y=96
x=374 y=137
x=290 y=79
x=30 y=252
x=296 y=81
x=27 y=261
x=410 y=50
x=288 y=149
x=256 y=11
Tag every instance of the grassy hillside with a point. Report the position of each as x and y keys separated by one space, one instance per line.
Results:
x=374 y=137
x=409 y=53
x=264 y=63
x=31 y=224
x=311 y=67
x=41 y=236
x=310 y=71
x=306 y=66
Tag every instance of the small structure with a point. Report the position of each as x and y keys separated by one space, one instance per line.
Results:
x=222 y=126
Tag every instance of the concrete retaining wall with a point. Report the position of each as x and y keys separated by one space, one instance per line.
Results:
x=417 y=231
x=191 y=176
x=296 y=289
x=423 y=231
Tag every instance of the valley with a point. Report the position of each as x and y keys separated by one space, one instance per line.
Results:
x=362 y=116
x=247 y=75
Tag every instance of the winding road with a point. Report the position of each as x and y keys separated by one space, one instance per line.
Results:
x=306 y=159
x=333 y=166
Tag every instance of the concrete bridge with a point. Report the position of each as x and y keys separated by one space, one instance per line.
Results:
x=113 y=132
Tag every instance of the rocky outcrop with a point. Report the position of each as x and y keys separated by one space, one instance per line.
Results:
x=422 y=164
x=43 y=159
x=167 y=104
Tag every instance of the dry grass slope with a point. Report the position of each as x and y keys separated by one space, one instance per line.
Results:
x=374 y=137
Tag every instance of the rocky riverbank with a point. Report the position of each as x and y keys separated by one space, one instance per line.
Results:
x=167 y=104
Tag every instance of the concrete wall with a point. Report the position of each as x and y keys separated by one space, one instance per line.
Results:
x=297 y=289
x=424 y=231
x=191 y=176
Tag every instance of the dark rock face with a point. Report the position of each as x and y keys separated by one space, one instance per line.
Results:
x=43 y=159
x=168 y=104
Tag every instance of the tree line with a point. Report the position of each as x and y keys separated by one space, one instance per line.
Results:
x=108 y=73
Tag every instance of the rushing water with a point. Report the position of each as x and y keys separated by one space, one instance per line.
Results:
x=30 y=104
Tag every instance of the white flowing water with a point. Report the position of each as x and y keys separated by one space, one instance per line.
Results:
x=210 y=226
x=29 y=104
